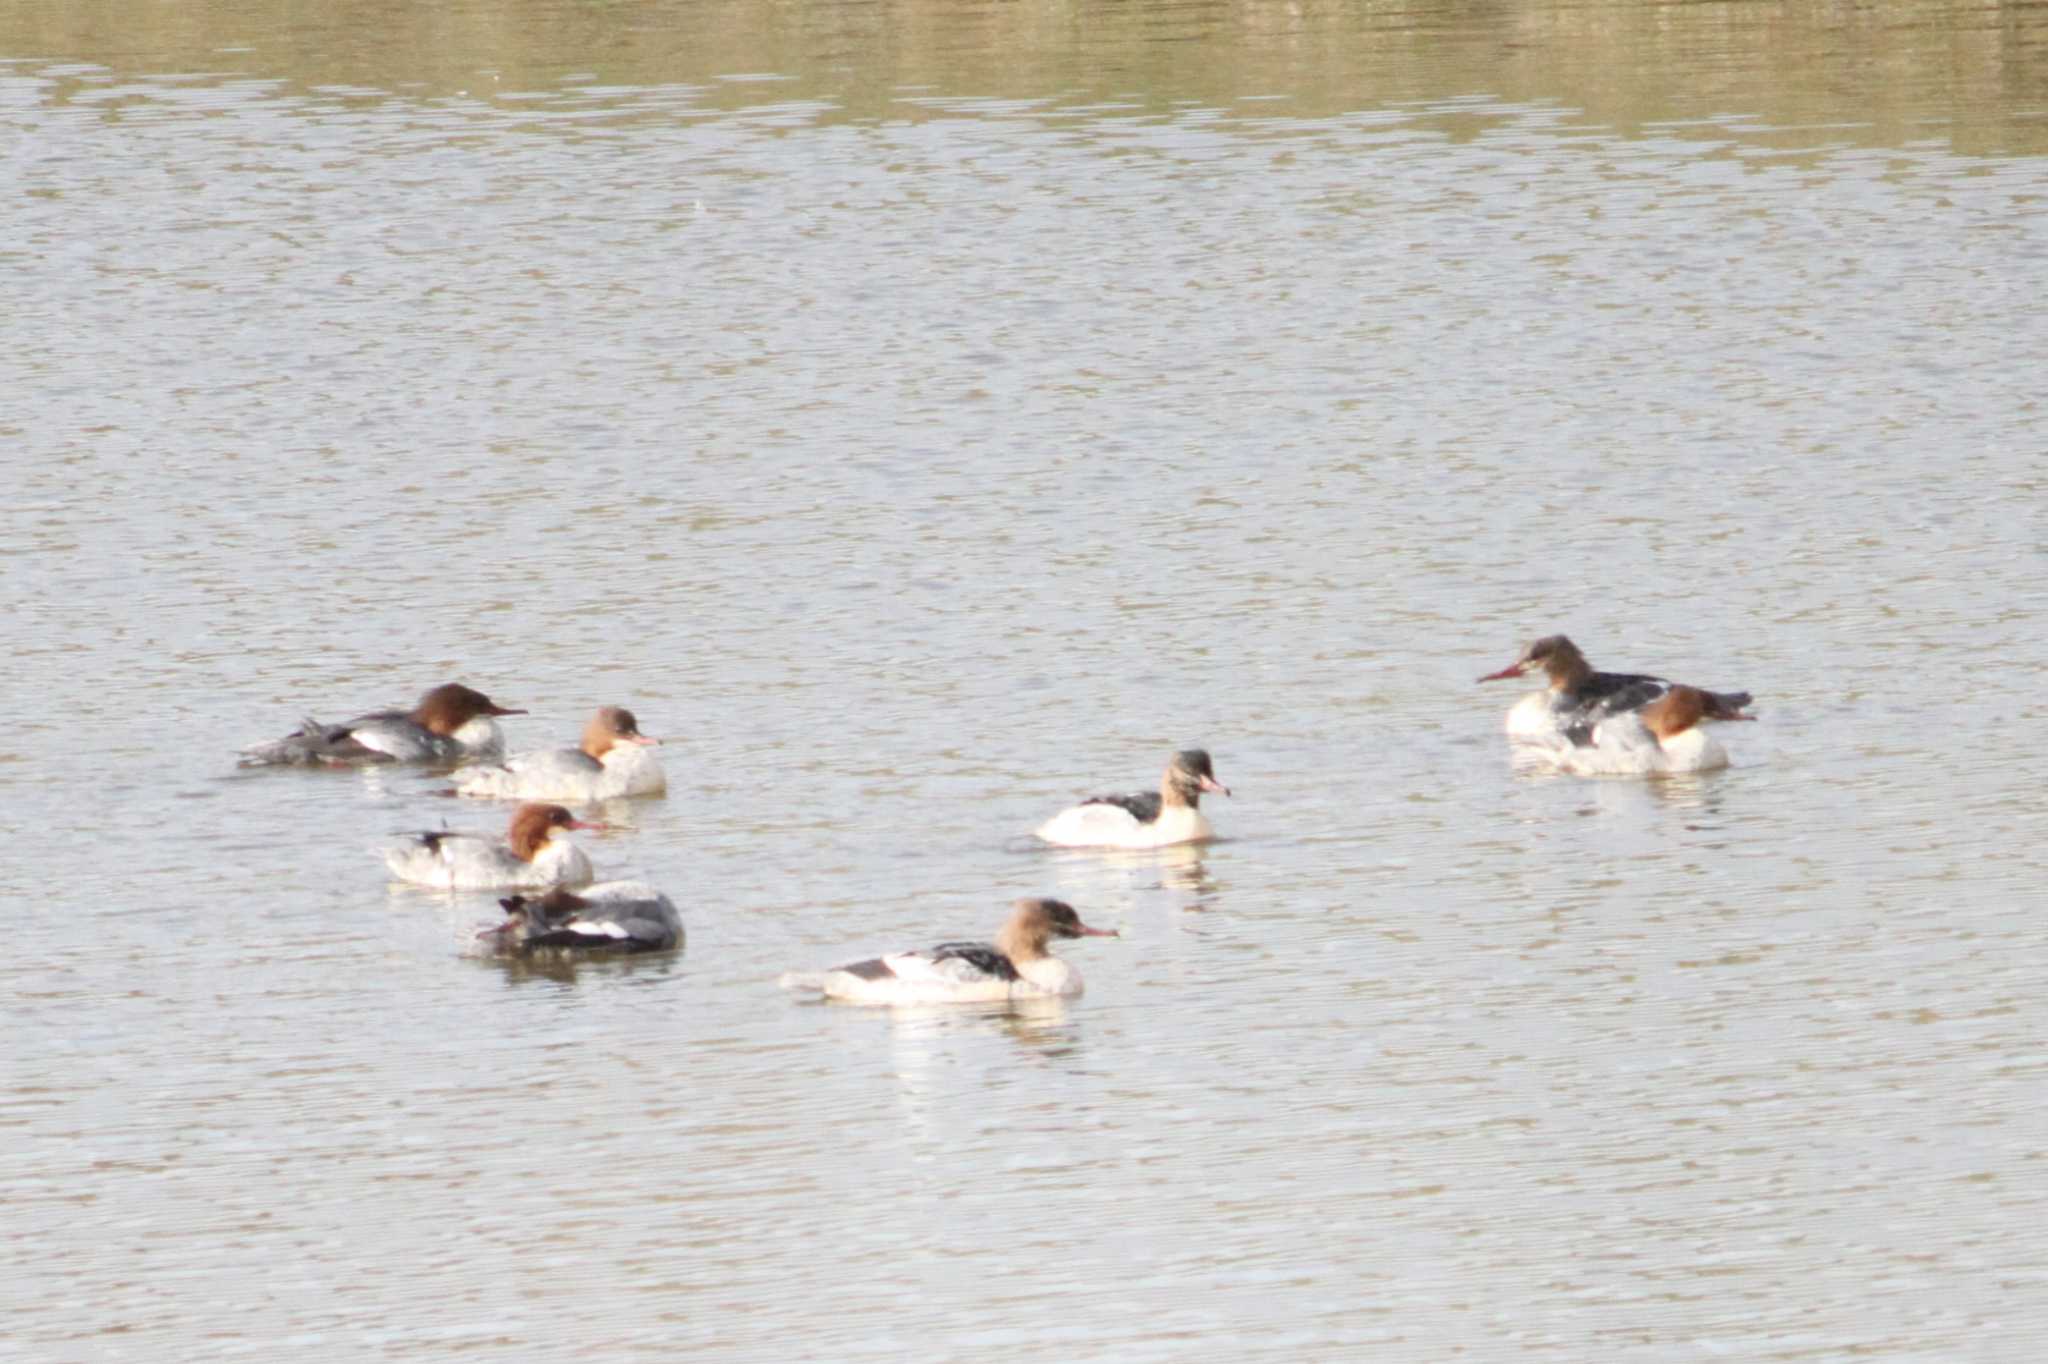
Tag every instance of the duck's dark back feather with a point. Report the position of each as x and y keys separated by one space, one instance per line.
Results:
x=1613 y=693
x=980 y=955
x=1144 y=805
x=874 y=968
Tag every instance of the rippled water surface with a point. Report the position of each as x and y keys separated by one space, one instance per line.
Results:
x=922 y=414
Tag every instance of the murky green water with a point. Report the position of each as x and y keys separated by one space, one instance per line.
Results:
x=921 y=415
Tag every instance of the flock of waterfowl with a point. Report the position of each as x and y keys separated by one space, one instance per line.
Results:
x=1585 y=722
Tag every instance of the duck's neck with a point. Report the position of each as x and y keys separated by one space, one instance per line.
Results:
x=1174 y=793
x=1568 y=669
x=528 y=843
x=1020 y=943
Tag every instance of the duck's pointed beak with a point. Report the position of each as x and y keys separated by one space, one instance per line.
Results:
x=1512 y=670
x=1088 y=932
x=1211 y=784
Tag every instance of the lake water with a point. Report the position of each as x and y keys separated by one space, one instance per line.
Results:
x=922 y=414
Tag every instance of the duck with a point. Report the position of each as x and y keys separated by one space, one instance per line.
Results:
x=609 y=917
x=1661 y=737
x=1147 y=819
x=529 y=856
x=612 y=760
x=1015 y=966
x=1579 y=697
x=451 y=723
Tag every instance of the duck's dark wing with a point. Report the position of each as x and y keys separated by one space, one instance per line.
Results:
x=1144 y=806
x=979 y=955
x=874 y=968
x=1605 y=694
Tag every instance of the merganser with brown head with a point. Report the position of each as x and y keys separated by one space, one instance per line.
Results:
x=450 y=724
x=1147 y=819
x=1664 y=736
x=614 y=760
x=530 y=854
x=608 y=918
x=1015 y=966
x=1579 y=696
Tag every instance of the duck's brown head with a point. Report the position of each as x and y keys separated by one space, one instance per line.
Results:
x=1034 y=922
x=1555 y=655
x=451 y=705
x=1188 y=774
x=610 y=727
x=533 y=825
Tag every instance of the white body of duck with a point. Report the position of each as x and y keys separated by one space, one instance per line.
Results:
x=613 y=760
x=1144 y=820
x=452 y=723
x=531 y=855
x=1662 y=737
x=1015 y=966
x=610 y=917
x=1579 y=697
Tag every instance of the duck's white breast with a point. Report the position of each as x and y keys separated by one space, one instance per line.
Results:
x=1534 y=718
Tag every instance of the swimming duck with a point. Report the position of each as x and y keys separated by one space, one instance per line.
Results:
x=1015 y=966
x=450 y=724
x=530 y=854
x=1147 y=819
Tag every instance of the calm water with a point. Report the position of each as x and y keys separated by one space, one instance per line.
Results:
x=922 y=414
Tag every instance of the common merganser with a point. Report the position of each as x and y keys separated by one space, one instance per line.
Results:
x=611 y=916
x=1664 y=736
x=529 y=855
x=613 y=761
x=1015 y=966
x=1579 y=697
x=451 y=723
x=1148 y=819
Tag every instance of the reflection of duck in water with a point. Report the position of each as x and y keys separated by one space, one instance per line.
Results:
x=1664 y=736
x=612 y=916
x=1147 y=819
x=1580 y=697
x=611 y=761
x=451 y=723
x=1015 y=966
x=528 y=855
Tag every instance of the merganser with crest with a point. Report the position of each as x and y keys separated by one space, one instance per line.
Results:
x=530 y=854
x=1579 y=697
x=450 y=724
x=1015 y=966
x=1147 y=819
x=614 y=760
x=612 y=916
x=1664 y=736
